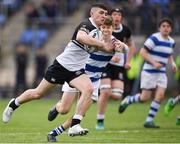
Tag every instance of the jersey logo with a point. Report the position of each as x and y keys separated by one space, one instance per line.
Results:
x=78 y=72
x=53 y=79
x=94 y=35
x=120 y=76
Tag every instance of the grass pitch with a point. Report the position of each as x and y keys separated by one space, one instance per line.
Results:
x=29 y=124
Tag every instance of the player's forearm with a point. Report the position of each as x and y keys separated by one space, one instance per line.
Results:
x=146 y=56
x=132 y=50
x=88 y=40
x=171 y=60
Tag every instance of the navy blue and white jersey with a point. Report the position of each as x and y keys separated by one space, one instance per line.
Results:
x=76 y=54
x=123 y=34
x=160 y=50
x=96 y=64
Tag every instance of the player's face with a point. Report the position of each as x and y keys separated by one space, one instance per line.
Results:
x=107 y=30
x=165 y=29
x=117 y=17
x=99 y=16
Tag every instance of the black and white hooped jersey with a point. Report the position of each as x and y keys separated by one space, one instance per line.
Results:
x=97 y=62
x=123 y=34
x=76 y=54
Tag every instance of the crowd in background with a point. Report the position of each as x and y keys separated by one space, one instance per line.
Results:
x=142 y=16
x=43 y=17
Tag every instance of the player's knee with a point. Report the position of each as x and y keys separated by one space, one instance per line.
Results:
x=34 y=94
x=88 y=90
x=144 y=99
x=117 y=93
x=63 y=109
x=160 y=98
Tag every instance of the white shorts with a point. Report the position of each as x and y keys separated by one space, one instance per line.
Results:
x=151 y=81
x=67 y=88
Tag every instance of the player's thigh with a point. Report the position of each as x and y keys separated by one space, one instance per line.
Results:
x=44 y=87
x=117 y=84
x=105 y=81
x=82 y=83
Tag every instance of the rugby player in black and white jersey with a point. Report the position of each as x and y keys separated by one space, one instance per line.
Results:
x=112 y=81
x=69 y=67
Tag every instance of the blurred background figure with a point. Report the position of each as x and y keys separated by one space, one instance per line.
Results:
x=21 y=60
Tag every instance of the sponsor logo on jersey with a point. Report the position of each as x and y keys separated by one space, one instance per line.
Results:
x=53 y=79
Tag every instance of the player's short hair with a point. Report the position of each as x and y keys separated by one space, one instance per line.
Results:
x=119 y=10
x=165 y=20
x=108 y=21
x=99 y=5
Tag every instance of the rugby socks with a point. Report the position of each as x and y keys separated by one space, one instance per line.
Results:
x=76 y=120
x=57 y=131
x=153 y=110
x=14 y=104
x=100 y=118
x=176 y=99
x=134 y=99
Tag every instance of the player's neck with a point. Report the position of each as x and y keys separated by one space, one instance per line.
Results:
x=106 y=38
x=118 y=26
x=165 y=36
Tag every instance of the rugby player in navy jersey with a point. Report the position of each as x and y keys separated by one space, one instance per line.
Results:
x=157 y=53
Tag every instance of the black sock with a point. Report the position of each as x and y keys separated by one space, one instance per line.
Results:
x=100 y=120
x=13 y=105
x=75 y=122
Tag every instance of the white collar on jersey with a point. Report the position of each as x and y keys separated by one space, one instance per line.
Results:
x=93 y=23
x=119 y=28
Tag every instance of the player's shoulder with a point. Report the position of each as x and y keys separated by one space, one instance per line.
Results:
x=86 y=24
x=171 y=39
x=154 y=36
x=126 y=28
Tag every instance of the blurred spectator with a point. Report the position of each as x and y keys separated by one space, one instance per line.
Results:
x=48 y=11
x=21 y=59
x=40 y=66
x=35 y=33
x=2 y=19
x=11 y=6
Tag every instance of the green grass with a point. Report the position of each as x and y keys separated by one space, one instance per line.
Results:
x=29 y=124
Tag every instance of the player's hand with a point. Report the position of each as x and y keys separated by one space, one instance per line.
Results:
x=127 y=65
x=174 y=67
x=115 y=59
x=119 y=46
x=157 y=65
x=108 y=46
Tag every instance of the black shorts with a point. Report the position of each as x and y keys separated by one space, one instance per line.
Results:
x=113 y=72
x=57 y=74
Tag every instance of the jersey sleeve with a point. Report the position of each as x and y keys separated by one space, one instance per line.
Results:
x=128 y=36
x=85 y=26
x=149 y=43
